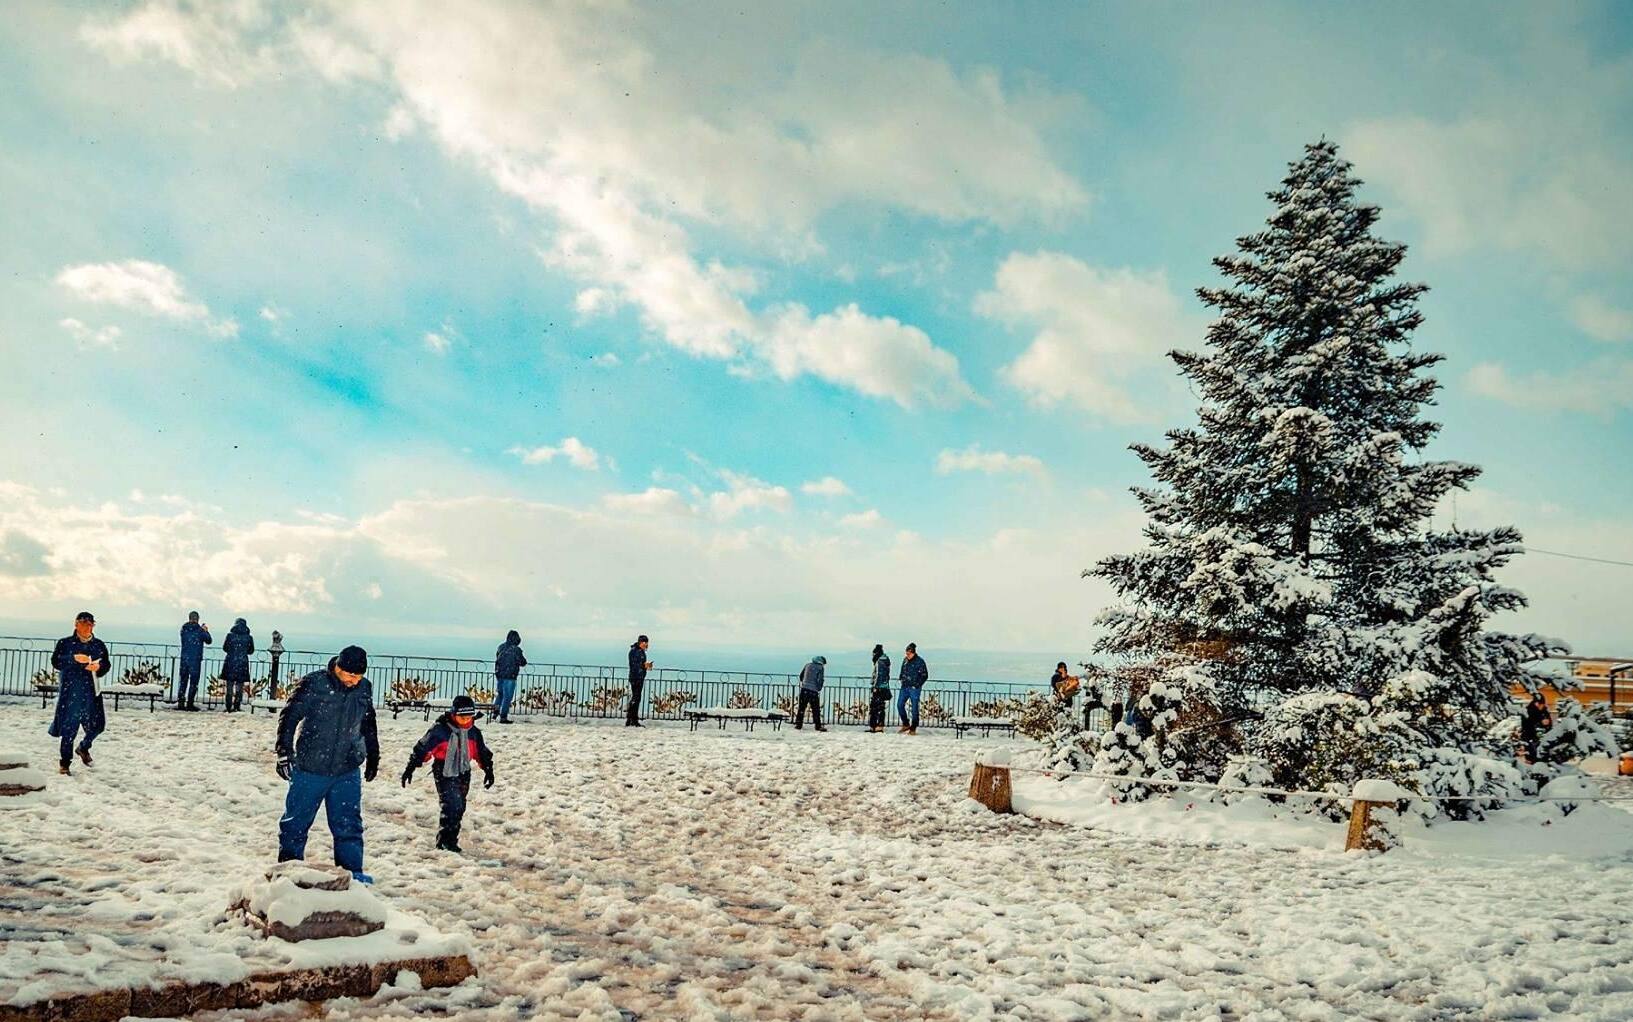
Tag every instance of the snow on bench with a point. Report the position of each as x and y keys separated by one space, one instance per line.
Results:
x=152 y=693
x=986 y=724
x=271 y=705
x=397 y=706
x=750 y=716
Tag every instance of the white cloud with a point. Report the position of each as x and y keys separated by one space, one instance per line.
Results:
x=973 y=459
x=1095 y=331
x=217 y=41
x=652 y=500
x=539 y=98
x=573 y=450
x=150 y=288
x=1600 y=320
x=399 y=123
x=437 y=343
x=273 y=314
x=746 y=493
x=827 y=486
x=869 y=519
x=606 y=360
x=103 y=336
x=1601 y=387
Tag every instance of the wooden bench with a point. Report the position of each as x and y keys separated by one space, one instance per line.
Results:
x=397 y=706
x=270 y=705
x=46 y=692
x=749 y=717
x=987 y=725
x=152 y=693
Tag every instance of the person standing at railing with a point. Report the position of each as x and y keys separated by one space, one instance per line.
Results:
x=80 y=659
x=880 y=698
x=194 y=637
x=238 y=645
x=638 y=666
x=915 y=673
x=508 y=662
x=810 y=693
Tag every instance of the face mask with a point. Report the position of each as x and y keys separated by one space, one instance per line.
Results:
x=463 y=721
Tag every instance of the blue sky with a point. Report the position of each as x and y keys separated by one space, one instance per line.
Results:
x=784 y=327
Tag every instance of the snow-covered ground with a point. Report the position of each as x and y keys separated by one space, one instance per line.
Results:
x=664 y=874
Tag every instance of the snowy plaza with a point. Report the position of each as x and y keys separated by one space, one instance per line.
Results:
x=657 y=874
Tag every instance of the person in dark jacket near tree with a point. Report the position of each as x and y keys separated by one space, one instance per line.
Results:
x=810 y=693
x=880 y=698
x=638 y=666
x=1536 y=722
x=508 y=662
x=451 y=746
x=333 y=710
x=238 y=645
x=914 y=674
x=80 y=659
x=194 y=637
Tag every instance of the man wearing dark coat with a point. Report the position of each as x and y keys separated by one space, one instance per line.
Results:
x=194 y=637
x=508 y=661
x=333 y=710
x=238 y=646
x=80 y=659
x=638 y=666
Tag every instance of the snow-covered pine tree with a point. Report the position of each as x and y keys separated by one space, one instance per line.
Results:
x=1290 y=527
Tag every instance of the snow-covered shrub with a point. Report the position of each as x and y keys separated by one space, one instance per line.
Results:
x=1319 y=739
x=1568 y=786
x=670 y=702
x=932 y=710
x=1034 y=716
x=543 y=700
x=995 y=708
x=1245 y=772
x=481 y=696
x=145 y=673
x=1574 y=736
x=412 y=689
x=45 y=677
x=1123 y=753
x=606 y=699
x=784 y=704
x=1069 y=747
x=1449 y=776
x=857 y=710
x=740 y=699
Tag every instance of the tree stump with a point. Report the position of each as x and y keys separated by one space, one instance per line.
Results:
x=1365 y=832
x=300 y=901
x=989 y=785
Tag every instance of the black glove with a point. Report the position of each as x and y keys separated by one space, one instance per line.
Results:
x=408 y=775
x=371 y=771
x=487 y=779
x=286 y=766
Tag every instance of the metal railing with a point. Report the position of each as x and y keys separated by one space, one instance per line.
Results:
x=553 y=690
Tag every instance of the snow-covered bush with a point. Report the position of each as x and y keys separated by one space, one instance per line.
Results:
x=45 y=677
x=145 y=673
x=856 y=709
x=543 y=700
x=670 y=702
x=740 y=699
x=1245 y=772
x=412 y=690
x=1449 y=776
x=1574 y=736
x=606 y=699
x=480 y=695
x=1321 y=739
x=932 y=710
x=1034 y=716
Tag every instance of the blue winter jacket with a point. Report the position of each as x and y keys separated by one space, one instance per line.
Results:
x=914 y=673
x=637 y=663
x=194 y=637
x=238 y=645
x=77 y=701
x=336 y=724
x=811 y=676
x=508 y=660
x=881 y=674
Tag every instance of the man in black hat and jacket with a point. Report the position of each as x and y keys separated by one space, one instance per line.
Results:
x=638 y=666
x=80 y=659
x=333 y=709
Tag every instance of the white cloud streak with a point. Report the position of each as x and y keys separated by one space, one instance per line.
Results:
x=974 y=459
x=571 y=449
x=149 y=288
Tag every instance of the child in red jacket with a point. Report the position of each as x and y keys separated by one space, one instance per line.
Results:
x=452 y=744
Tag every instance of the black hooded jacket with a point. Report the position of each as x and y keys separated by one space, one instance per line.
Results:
x=508 y=660
x=336 y=724
x=238 y=645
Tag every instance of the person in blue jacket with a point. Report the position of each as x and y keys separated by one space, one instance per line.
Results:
x=508 y=662
x=238 y=646
x=333 y=711
x=80 y=659
x=914 y=674
x=880 y=698
x=638 y=666
x=810 y=693
x=194 y=637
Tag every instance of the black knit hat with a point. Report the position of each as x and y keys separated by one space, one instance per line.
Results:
x=463 y=704
x=353 y=660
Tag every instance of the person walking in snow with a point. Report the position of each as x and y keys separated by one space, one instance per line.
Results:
x=1534 y=724
x=80 y=659
x=451 y=746
x=638 y=666
x=880 y=697
x=810 y=693
x=194 y=637
x=238 y=645
x=333 y=712
x=508 y=662
x=915 y=672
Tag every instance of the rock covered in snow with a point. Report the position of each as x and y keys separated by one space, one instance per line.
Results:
x=297 y=902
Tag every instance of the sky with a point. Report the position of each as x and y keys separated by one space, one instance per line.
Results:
x=786 y=325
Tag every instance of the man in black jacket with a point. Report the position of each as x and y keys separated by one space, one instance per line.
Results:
x=508 y=662
x=80 y=659
x=638 y=666
x=334 y=712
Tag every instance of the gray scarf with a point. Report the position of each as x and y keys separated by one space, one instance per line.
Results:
x=458 y=760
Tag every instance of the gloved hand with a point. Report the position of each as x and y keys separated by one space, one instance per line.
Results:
x=286 y=767
x=408 y=775
x=371 y=771
x=487 y=779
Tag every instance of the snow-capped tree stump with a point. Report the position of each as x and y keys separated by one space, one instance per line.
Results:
x=16 y=778
x=1366 y=832
x=989 y=785
x=300 y=901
